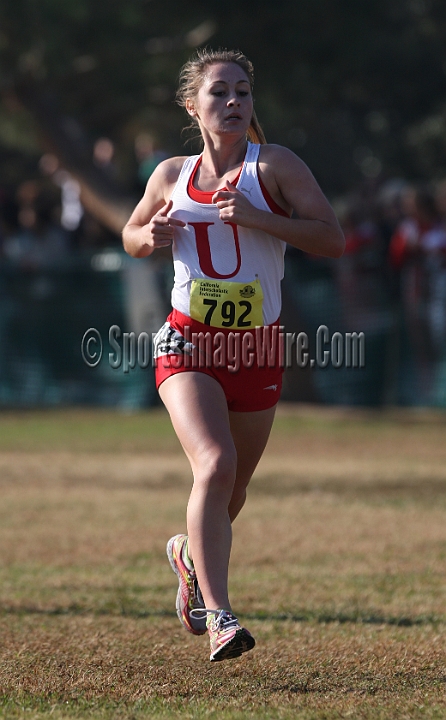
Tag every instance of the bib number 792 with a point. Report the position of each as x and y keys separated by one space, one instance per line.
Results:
x=229 y=313
x=226 y=304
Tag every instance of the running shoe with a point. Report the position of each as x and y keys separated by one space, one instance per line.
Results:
x=188 y=596
x=228 y=639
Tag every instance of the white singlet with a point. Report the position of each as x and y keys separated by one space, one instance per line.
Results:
x=234 y=262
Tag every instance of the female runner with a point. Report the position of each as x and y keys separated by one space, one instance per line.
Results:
x=227 y=214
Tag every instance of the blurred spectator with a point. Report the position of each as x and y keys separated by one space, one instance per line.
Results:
x=103 y=156
x=37 y=240
x=359 y=273
x=418 y=252
x=360 y=232
x=96 y=236
x=71 y=208
x=420 y=215
x=148 y=156
x=389 y=208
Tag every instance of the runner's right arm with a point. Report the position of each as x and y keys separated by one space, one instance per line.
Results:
x=149 y=226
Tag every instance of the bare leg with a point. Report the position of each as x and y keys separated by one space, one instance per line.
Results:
x=199 y=414
x=250 y=432
x=211 y=438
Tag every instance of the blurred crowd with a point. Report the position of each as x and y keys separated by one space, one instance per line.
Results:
x=43 y=222
x=393 y=273
x=399 y=230
x=399 y=225
x=395 y=246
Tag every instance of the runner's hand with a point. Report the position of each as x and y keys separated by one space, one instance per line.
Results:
x=234 y=206
x=160 y=230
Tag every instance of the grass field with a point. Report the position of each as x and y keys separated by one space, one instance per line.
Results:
x=338 y=569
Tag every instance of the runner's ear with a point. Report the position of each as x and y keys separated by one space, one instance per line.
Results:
x=190 y=108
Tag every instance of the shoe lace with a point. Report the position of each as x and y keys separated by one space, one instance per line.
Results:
x=224 y=618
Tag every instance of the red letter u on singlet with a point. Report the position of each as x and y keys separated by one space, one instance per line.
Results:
x=204 y=250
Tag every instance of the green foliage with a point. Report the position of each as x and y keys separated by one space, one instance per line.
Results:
x=355 y=87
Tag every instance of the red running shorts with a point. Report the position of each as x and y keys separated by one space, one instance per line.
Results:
x=248 y=364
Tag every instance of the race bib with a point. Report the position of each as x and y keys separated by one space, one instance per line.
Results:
x=224 y=304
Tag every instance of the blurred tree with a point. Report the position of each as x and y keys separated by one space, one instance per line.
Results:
x=81 y=69
x=357 y=88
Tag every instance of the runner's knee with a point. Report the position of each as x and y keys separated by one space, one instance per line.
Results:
x=216 y=470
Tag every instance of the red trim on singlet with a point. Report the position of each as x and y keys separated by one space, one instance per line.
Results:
x=205 y=196
x=273 y=206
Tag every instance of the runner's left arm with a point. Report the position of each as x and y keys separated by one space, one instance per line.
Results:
x=315 y=229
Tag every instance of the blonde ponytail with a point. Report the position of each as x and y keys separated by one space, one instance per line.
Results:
x=255 y=133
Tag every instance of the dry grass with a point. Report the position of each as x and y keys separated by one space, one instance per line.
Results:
x=297 y=670
x=338 y=569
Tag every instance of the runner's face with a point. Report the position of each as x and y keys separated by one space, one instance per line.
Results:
x=224 y=103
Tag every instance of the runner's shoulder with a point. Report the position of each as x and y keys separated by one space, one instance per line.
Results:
x=274 y=158
x=168 y=171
